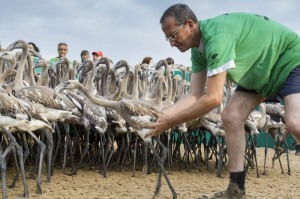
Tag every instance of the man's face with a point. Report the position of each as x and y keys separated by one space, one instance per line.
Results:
x=96 y=57
x=62 y=51
x=178 y=39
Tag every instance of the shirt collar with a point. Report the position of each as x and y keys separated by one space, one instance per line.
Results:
x=200 y=47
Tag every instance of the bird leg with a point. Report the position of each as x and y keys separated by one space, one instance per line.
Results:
x=287 y=151
x=86 y=148
x=49 y=152
x=162 y=170
x=121 y=136
x=169 y=150
x=266 y=152
x=254 y=153
x=134 y=155
x=277 y=155
x=3 y=174
x=68 y=142
x=26 y=152
x=179 y=150
x=111 y=151
x=145 y=167
x=189 y=150
x=58 y=143
x=42 y=151
x=78 y=138
x=20 y=156
x=206 y=150
x=195 y=151
x=221 y=150
x=102 y=140
x=10 y=146
x=126 y=149
x=201 y=140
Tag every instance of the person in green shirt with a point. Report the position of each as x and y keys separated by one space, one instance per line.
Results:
x=62 y=49
x=258 y=54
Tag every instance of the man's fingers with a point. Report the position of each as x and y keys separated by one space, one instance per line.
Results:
x=157 y=114
x=150 y=126
x=151 y=133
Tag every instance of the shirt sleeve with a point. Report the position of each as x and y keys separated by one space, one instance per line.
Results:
x=198 y=61
x=219 y=50
x=218 y=54
x=226 y=66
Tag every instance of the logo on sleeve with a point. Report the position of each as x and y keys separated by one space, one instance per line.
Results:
x=214 y=56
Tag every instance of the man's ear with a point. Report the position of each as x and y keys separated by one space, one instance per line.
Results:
x=191 y=25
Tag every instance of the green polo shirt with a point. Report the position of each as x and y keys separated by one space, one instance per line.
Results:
x=257 y=52
x=54 y=59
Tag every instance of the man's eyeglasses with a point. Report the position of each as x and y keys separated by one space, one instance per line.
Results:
x=174 y=35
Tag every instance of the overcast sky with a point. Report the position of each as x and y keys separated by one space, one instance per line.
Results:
x=121 y=29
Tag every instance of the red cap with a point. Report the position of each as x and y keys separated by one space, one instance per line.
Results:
x=98 y=53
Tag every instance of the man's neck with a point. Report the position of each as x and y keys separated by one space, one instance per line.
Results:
x=196 y=36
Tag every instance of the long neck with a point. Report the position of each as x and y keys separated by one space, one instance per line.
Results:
x=91 y=78
x=1 y=61
x=1 y=66
x=159 y=92
x=65 y=71
x=44 y=76
x=74 y=69
x=183 y=74
x=105 y=78
x=118 y=94
x=183 y=81
x=262 y=110
x=20 y=70
x=30 y=70
x=175 y=88
x=101 y=82
x=9 y=71
x=184 y=77
x=104 y=87
x=104 y=103
x=169 y=96
x=126 y=79
x=130 y=84
x=136 y=82
x=169 y=82
x=112 y=85
x=58 y=74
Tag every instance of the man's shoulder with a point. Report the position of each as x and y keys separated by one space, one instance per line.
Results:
x=225 y=22
x=53 y=59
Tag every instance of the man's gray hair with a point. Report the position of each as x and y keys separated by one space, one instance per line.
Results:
x=181 y=13
x=62 y=44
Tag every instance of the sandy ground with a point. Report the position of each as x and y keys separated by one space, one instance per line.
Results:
x=90 y=184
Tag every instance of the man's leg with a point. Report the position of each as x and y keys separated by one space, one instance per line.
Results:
x=241 y=104
x=292 y=117
x=235 y=113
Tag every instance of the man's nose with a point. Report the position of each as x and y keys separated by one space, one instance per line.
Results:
x=172 y=43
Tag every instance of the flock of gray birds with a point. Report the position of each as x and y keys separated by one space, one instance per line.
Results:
x=95 y=115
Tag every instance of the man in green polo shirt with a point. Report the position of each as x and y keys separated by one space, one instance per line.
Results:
x=62 y=49
x=255 y=52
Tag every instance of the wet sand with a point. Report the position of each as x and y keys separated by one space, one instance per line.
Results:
x=90 y=184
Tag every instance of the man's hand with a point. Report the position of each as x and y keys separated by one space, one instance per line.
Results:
x=161 y=125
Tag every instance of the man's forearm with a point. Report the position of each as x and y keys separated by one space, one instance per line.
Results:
x=201 y=107
x=187 y=101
